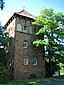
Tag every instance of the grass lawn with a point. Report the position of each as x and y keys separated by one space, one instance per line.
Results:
x=31 y=81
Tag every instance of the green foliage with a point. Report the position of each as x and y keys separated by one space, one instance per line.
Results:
x=32 y=81
x=3 y=73
x=41 y=42
x=4 y=53
x=33 y=76
x=52 y=26
x=55 y=67
x=1 y=4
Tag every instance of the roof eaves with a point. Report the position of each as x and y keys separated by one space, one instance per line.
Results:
x=32 y=17
x=8 y=21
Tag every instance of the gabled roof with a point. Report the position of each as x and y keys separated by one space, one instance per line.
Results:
x=25 y=13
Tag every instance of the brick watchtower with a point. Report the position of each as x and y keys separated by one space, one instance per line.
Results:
x=27 y=59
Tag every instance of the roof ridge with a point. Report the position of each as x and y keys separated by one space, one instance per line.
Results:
x=25 y=12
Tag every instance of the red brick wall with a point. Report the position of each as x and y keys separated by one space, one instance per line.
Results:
x=22 y=71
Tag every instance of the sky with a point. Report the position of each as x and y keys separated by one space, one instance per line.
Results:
x=32 y=6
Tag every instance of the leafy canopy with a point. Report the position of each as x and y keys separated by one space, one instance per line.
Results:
x=52 y=28
x=51 y=25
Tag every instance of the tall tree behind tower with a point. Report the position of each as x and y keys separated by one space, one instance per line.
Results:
x=52 y=27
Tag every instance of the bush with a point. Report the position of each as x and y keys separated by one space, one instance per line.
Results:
x=51 y=68
x=3 y=73
x=32 y=76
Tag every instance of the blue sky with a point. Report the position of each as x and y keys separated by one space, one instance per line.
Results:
x=32 y=6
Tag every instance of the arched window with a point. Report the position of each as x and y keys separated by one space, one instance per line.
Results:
x=19 y=27
x=30 y=30
x=34 y=30
x=25 y=28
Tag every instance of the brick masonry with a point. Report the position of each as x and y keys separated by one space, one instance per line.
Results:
x=22 y=71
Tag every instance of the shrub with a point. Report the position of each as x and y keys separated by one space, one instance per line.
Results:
x=32 y=76
x=3 y=73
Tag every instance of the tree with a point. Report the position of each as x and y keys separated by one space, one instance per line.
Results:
x=3 y=69
x=4 y=53
x=52 y=28
x=1 y=4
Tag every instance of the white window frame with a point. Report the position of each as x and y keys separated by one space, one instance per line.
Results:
x=30 y=30
x=25 y=28
x=25 y=44
x=25 y=61
x=34 y=61
x=19 y=27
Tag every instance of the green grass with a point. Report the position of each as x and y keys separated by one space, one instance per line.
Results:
x=32 y=81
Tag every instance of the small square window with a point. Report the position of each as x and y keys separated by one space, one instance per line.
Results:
x=25 y=44
x=25 y=61
x=34 y=61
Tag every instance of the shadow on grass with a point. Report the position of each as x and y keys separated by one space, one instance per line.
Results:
x=31 y=81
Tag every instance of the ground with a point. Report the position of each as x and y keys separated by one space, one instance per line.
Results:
x=56 y=82
x=44 y=81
